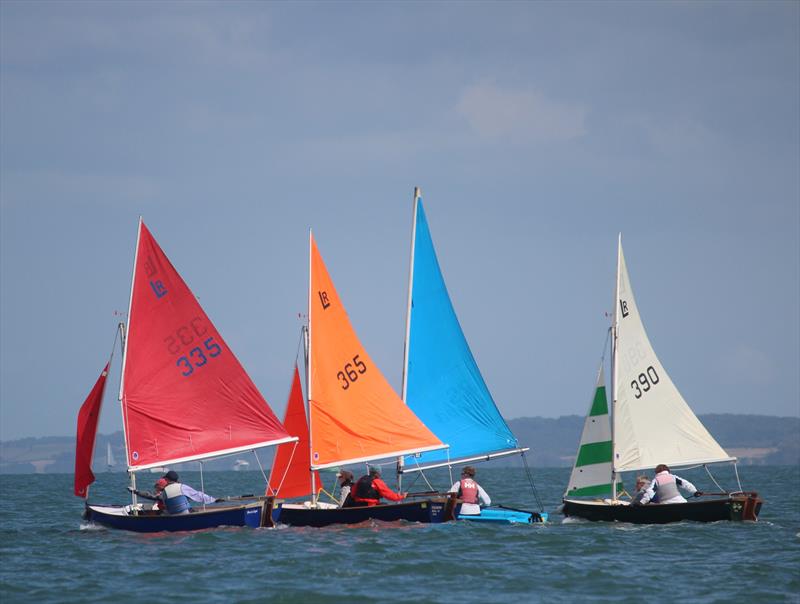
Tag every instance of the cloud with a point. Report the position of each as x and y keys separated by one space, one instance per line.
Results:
x=522 y=115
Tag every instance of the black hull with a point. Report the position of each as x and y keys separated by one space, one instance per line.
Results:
x=426 y=511
x=733 y=508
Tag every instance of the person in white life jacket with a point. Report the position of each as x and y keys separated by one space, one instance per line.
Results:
x=345 y=486
x=176 y=495
x=665 y=487
x=470 y=493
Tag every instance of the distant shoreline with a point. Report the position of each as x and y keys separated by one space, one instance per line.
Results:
x=754 y=439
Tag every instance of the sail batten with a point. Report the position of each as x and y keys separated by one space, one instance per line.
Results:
x=653 y=424
x=354 y=414
x=444 y=385
x=185 y=396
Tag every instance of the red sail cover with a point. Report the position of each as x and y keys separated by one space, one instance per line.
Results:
x=185 y=395
x=292 y=465
x=87 y=430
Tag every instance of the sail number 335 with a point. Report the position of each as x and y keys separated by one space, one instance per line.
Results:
x=644 y=382
x=351 y=372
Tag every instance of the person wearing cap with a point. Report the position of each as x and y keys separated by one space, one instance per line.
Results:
x=154 y=495
x=176 y=495
x=369 y=489
x=664 y=488
x=345 y=486
x=470 y=493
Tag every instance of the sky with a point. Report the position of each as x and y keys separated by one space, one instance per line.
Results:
x=537 y=132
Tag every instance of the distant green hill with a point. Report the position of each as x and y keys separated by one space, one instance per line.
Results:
x=754 y=439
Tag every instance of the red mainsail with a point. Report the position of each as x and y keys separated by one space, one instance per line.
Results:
x=185 y=395
x=88 y=416
x=291 y=476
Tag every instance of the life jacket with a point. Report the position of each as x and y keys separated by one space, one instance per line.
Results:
x=468 y=490
x=365 y=492
x=666 y=488
x=175 y=500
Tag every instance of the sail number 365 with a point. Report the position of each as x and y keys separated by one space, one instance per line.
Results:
x=351 y=372
x=644 y=382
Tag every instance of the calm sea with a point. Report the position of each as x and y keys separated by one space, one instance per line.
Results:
x=47 y=554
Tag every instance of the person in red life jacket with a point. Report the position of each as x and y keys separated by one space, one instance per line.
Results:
x=470 y=492
x=369 y=489
x=154 y=495
x=176 y=495
x=665 y=486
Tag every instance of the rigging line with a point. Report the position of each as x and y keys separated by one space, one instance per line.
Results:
x=288 y=465
x=202 y=485
x=422 y=473
x=736 y=471
x=260 y=467
x=712 y=477
x=530 y=479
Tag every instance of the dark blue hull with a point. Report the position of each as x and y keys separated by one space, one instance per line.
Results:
x=426 y=511
x=255 y=515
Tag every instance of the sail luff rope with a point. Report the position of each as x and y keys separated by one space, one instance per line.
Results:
x=530 y=479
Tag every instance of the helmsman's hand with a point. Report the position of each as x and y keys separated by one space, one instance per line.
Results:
x=698 y=493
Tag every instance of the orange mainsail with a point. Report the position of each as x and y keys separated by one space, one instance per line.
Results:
x=355 y=415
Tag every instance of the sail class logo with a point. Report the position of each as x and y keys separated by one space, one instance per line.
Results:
x=623 y=306
x=158 y=287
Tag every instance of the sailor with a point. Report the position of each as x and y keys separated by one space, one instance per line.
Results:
x=642 y=482
x=470 y=493
x=176 y=495
x=154 y=495
x=369 y=489
x=665 y=487
x=345 y=486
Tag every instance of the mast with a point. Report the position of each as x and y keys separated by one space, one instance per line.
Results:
x=308 y=377
x=407 y=341
x=614 y=335
x=124 y=342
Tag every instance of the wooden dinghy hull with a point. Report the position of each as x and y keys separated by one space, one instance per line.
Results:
x=427 y=511
x=740 y=507
x=255 y=515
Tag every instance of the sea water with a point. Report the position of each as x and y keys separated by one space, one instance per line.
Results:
x=48 y=554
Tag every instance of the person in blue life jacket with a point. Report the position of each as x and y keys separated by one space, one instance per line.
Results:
x=664 y=488
x=176 y=495
x=470 y=492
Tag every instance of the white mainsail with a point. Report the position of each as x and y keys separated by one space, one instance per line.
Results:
x=653 y=424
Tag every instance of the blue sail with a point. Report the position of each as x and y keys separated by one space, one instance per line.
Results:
x=444 y=386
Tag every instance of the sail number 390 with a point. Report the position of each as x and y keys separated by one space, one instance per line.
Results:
x=644 y=382
x=351 y=372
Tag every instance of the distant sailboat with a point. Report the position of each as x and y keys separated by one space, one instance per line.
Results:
x=110 y=463
x=651 y=424
x=442 y=383
x=185 y=397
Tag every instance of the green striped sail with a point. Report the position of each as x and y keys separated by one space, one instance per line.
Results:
x=591 y=475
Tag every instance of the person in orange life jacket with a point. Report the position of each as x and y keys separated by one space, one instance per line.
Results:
x=345 y=486
x=665 y=486
x=154 y=496
x=176 y=496
x=369 y=489
x=470 y=493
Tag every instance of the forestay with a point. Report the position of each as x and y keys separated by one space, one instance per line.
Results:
x=653 y=424
x=442 y=382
